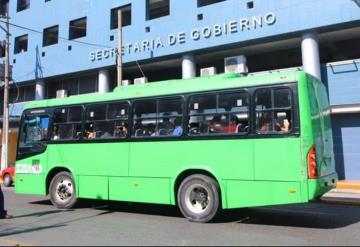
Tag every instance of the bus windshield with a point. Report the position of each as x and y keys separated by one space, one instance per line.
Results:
x=34 y=133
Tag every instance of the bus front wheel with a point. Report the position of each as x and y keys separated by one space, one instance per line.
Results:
x=198 y=198
x=62 y=191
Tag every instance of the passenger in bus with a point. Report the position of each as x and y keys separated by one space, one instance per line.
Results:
x=215 y=125
x=178 y=128
x=121 y=130
x=265 y=122
x=56 y=135
x=150 y=130
x=232 y=126
x=139 y=128
x=243 y=126
x=165 y=126
x=90 y=133
x=285 y=126
x=194 y=128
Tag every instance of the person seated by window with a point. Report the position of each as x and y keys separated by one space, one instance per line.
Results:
x=232 y=127
x=90 y=133
x=150 y=130
x=215 y=125
x=265 y=122
x=121 y=130
x=178 y=128
x=56 y=135
x=285 y=126
x=194 y=128
x=166 y=125
x=243 y=126
x=139 y=128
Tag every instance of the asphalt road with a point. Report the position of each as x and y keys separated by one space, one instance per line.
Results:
x=37 y=222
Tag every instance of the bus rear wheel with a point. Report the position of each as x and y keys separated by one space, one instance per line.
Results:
x=198 y=198
x=62 y=191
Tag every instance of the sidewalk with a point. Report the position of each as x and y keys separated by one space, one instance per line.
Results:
x=346 y=192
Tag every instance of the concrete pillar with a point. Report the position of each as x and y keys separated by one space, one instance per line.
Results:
x=310 y=54
x=103 y=81
x=40 y=89
x=188 y=66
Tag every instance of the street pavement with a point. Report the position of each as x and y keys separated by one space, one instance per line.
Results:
x=37 y=222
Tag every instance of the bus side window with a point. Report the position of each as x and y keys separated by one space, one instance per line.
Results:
x=144 y=112
x=202 y=113
x=273 y=110
x=67 y=123
x=117 y=121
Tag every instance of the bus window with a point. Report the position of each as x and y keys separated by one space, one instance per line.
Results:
x=158 y=117
x=202 y=114
x=273 y=110
x=169 y=116
x=33 y=135
x=35 y=130
x=118 y=111
x=236 y=107
x=96 y=125
x=144 y=118
x=67 y=123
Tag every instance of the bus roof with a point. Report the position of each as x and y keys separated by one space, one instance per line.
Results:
x=170 y=87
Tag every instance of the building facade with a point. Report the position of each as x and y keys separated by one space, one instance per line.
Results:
x=63 y=48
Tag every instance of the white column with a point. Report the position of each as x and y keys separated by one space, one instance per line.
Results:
x=40 y=89
x=310 y=54
x=188 y=66
x=103 y=81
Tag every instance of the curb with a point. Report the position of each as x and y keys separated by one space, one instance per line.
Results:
x=348 y=185
x=346 y=197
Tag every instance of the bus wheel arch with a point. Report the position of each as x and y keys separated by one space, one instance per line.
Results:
x=61 y=187
x=198 y=195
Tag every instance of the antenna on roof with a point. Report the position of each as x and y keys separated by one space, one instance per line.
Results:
x=142 y=72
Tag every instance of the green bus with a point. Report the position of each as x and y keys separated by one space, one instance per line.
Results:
x=203 y=144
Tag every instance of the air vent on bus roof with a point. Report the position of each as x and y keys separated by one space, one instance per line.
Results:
x=140 y=80
x=61 y=93
x=236 y=64
x=126 y=82
x=208 y=71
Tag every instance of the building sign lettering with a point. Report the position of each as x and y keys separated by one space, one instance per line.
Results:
x=196 y=34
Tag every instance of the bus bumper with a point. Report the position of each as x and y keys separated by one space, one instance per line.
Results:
x=318 y=187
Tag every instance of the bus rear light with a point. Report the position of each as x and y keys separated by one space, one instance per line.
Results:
x=312 y=164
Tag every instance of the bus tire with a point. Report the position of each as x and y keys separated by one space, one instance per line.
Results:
x=7 y=180
x=62 y=190
x=198 y=198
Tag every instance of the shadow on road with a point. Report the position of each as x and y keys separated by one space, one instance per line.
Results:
x=41 y=213
x=312 y=215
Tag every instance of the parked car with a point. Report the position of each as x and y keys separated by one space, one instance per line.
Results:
x=7 y=176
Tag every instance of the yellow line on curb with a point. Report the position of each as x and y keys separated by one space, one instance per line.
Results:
x=12 y=242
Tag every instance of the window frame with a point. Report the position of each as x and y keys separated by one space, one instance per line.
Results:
x=17 y=49
x=67 y=122
x=46 y=34
x=72 y=27
x=114 y=16
x=201 y=3
x=23 y=6
x=157 y=117
x=185 y=101
x=106 y=119
x=293 y=106
x=217 y=94
x=150 y=15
